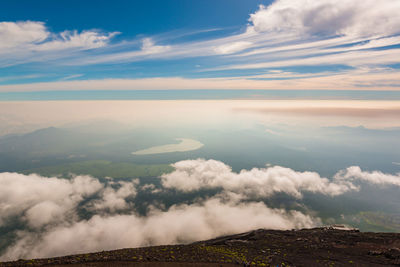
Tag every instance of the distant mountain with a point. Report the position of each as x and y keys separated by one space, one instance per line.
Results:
x=42 y=147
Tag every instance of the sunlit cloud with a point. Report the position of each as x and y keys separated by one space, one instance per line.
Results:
x=232 y=48
x=193 y=175
x=302 y=28
x=375 y=177
x=286 y=34
x=50 y=208
x=27 y=41
x=328 y=17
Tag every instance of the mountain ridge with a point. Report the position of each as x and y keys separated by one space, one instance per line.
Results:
x=325 y=246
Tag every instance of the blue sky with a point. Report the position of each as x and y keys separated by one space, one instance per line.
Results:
x=132 y=18
x=183 y=44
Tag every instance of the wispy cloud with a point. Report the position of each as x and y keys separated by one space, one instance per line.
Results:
x=301 y=29
x=71 y=77
x=358 y=79
x=20 y=77
x=27 y=41
x=286 y=34
x=232 y=47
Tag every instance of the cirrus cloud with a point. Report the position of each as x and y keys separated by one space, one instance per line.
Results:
x=352 y=34
x=30 y=41
x=35 y=36
x=232 y=47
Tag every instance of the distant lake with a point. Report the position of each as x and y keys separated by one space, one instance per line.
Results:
x=183 y=146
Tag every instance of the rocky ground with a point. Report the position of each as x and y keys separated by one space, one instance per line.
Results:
x=308 y=247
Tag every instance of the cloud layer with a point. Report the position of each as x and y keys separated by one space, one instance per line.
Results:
x=179 y=224
x=49 y=209
x=56 y=216
x=193 y=175
x=42 y=201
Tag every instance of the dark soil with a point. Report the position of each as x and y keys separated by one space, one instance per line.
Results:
x=308 y=247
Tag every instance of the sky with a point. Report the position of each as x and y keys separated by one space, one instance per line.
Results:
x=174 y=45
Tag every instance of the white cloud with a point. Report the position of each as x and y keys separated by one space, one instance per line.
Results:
x=300 y=32
x=329 y=17
x=20 y=77
x=17 y=34
x=73 y=39
x=296 y=29
x=149 y=47
x=325 y=32
x=192 y=175
x=355 y=58
x=147 y=50
x=34 y=36
x=113 y=200
x=48 y=211
x=210 y=218
x=358 y=79
x=375 y=177
x=151 y=187
x=41 y=200
x=49 y=207
x=284 y=34
x=232 y=47
x=71 y=77
x=31 y=41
